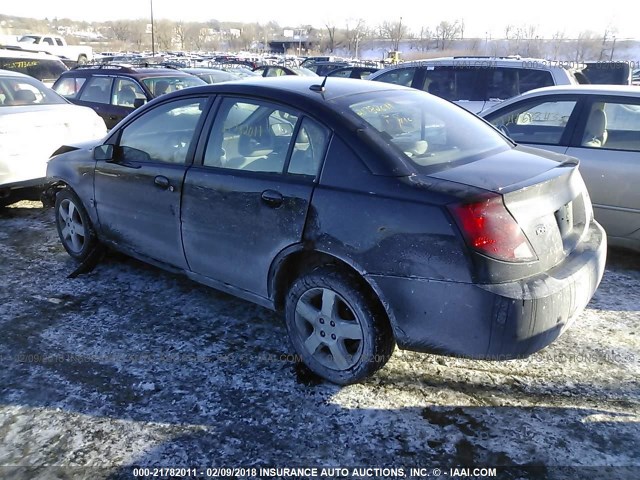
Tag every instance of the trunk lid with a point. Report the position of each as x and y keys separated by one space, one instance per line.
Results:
x=543 y=191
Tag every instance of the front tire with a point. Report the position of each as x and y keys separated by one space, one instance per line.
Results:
x=340 y=332
x=74 y=226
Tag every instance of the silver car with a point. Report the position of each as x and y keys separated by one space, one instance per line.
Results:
x=599 y=125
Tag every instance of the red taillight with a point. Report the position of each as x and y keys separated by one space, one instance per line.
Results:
x=488 y=227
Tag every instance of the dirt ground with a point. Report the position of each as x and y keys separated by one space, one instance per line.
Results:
x=129 y=365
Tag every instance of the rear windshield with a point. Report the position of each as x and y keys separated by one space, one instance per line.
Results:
x=425 y=129
x=42 y=69
x=26 y=91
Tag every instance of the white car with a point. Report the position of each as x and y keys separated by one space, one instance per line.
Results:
x=34 y=122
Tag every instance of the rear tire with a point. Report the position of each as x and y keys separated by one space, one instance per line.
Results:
x=75 y=229
x=339 y=331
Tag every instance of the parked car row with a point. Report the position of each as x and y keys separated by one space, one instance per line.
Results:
x=114 y=91
x=246 y=186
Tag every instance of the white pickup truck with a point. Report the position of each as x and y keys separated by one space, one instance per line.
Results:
x=56 y=45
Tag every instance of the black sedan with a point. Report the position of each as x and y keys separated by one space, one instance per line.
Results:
x=371 y=214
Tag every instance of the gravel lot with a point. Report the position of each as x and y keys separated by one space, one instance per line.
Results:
x=129 y=365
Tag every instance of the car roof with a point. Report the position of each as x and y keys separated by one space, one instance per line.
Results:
x=587 y=88
x=32 y=54
x=11 y=73
x=128 y=70
x=296 y=86
x=483 y=62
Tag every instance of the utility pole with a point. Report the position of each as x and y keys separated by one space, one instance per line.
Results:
x=399 y=33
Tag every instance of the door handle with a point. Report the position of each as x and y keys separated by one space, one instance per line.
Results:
x=272 y=198
x=163 y=182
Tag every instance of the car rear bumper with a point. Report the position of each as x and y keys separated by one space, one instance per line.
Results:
x=499 y=321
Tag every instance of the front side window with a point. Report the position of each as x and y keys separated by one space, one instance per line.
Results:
x=428 y=131
x=163 y=134
x=614 y=125
x=251 y=135
x=97 y=90
x=126 y=92
x=540 y=121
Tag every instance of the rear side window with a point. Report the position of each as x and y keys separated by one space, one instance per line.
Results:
x=454 y=83
x=504 y=83
x=252 y=136
x=398 y=76
x=530 y=79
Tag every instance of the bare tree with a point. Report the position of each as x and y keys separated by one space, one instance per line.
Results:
x=446 y=32
x=195 y=35
x=164 y=31
x=181 y=34
x=121 y=30
x=557 y=44
x=609 y=32
x=355 y=35
x=336 y=37
x=424 y=39
x=586 y=45
x=394 y=31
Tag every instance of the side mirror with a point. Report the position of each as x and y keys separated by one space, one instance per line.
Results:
x=103 y=152
x=138 y=102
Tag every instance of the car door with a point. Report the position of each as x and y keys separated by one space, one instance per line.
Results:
x=248 y=199
x=607 y=142
x=546 y=122
x=137 y=193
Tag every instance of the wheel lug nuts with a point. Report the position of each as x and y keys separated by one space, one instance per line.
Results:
x=333 y=336
x=322 y=320
x=322 y=334
x=333 y=324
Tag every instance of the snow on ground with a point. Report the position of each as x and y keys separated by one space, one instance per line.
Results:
x=129 y=365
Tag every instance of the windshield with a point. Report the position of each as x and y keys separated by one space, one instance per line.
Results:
x=26 y=91
x=161 y=85
x=427 y=130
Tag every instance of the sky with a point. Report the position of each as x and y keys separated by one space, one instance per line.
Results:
x=481 y=18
